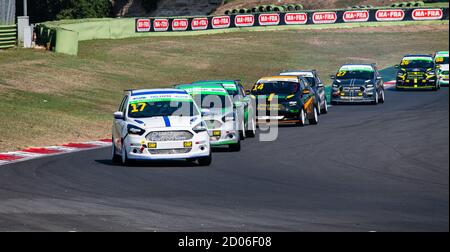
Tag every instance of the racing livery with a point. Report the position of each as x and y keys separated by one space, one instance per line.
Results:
x=296 y=100
x=417 y=72
x=441 y=61
x=155 y=124
x=220 y=117
x=357 y=83
x=316 y=84
x=243 y=105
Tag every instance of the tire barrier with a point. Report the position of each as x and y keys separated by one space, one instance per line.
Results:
x=366 y=14
x=8 y=36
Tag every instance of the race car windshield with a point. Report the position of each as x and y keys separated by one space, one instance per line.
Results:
x=442 y=60
x=209 y=101
x=355 y=74
x=417 y=64
x=277 y=87
x=162 y=108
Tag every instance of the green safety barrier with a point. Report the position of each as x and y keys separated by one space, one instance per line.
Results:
x=8 y=36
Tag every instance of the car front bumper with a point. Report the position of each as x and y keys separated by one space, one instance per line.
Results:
x=139 y=148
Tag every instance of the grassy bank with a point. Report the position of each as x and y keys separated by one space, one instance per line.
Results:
x=50 y=98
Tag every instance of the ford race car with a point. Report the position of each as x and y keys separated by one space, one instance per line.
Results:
x=243 y=104
x=159 y=124
x=220 y=117
x=357 y=83
x=417 y=72
x=296 y=101
x=316 y=84
x=441 y=61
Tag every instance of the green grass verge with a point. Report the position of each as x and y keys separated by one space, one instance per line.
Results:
x=50 y=98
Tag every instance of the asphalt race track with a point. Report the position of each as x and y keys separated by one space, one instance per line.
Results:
x=363 y=168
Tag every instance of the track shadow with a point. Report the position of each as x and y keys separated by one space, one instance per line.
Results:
x=151 y=163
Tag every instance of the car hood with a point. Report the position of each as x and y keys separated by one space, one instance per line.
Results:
x=353 y=82
x=165 y=121
x=281 y=98
x=421 y=69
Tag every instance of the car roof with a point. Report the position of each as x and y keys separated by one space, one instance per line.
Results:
x=291 y=78
x=442 y=52
x=418 y=55
x=156 y=91
x=299 y=71
x=215 y=82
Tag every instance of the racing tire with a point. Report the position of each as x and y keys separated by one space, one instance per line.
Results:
x=302 y=118
x=124 y=157
x=324 y=110
x=382 y=98
x=235 y=147
x=252 y=128
x=115 y=158
x=242 y=131
x=377 y=99
x=315 y=119
x=205 y=161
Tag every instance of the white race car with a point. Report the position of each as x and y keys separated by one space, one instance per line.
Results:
x=159 y=124
x=441 y=60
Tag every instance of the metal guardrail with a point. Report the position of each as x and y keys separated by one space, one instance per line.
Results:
x=8 y=36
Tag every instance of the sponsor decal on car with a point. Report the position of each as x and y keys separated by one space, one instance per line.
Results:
x=390 y=15
x=244 y=20
x=427 y=14
x=143 y=25
x=199 y=23
x=356 y=16
x=161 y=24
x=269 y=19
x=221 y=22
x=295 y=18
x=324 y=17
x=180 y=24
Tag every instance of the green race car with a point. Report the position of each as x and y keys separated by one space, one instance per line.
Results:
x=243 y=104
x=417 y=72
x=441 y=61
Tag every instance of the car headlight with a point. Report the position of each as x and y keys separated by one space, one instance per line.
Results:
x=134 y=130
x=201 y=127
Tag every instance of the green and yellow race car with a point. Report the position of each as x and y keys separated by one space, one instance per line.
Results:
x=417 y=72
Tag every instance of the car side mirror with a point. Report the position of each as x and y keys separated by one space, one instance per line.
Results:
x=332 y=77
x=205 y=112
x=321 y=85
x=119 y=115
x=306 y=91
x=248 y=92
x=379 y=78
x=397 y=66
x=438 y=67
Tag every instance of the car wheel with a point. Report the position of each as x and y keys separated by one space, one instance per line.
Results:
x=242 y=132
x=125 y=160
x=382 y=98
x=315 y=118
x=252 y=128
x=235 y=147
x=377 y=99
x=302 y=118
x=115 y=158
x=205 y=161
x=325 y=107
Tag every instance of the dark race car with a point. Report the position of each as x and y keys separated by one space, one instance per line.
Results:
x=357 y=83
x=295 y=100
x=312 y=76
x=417 y=72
